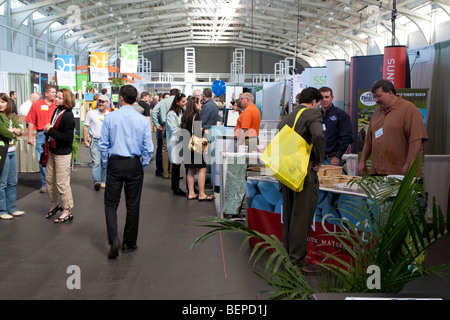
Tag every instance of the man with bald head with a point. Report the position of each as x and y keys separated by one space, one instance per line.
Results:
x=25 y=107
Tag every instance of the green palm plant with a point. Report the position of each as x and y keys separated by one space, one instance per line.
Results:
x=279 y=272
x=390 y=231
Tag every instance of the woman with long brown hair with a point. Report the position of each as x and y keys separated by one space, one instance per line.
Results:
x=173 y=121
x=9 y=130
x=59 y=136
x=192 y=161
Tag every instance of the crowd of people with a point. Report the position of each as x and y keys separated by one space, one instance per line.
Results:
x=121 y=147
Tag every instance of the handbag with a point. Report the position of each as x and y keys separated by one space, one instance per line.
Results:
x=287 y=157
x=196 y=144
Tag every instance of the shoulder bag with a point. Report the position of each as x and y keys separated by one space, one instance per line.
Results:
x=287 y=157
x=196 y=144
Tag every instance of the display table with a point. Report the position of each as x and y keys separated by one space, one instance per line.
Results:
x=27 y=160
x=264 y=214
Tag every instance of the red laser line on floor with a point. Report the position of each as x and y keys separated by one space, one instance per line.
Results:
x=223 y=255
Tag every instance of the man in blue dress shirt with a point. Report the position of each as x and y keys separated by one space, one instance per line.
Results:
x=125 y=139
x=337 y=128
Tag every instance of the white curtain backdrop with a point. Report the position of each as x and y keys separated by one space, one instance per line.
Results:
x=4 y=82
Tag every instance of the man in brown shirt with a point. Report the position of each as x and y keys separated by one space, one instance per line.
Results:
x=396 y=133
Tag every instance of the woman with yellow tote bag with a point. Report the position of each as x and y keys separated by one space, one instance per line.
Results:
x=299 y=207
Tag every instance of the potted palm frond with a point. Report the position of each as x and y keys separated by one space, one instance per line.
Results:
x=391 y=231
x=116 y=83
x=90 y=87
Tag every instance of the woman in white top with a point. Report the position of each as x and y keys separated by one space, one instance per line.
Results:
x=173 y=126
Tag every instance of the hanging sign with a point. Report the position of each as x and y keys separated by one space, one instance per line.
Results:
x=65 y=70
x=98 y=66
x=128 y=58
x=396 y=66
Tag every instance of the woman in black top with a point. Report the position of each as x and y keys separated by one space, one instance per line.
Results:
x=59 y=136
x=195 y=161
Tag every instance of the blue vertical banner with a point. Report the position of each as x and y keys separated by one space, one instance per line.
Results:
x=65 y=70
x=364 y=71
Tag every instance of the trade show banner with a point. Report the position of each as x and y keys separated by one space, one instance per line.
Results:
x=396 y=66
x=367 y=105
x=65 y=70
x=44 y=80
x=35 y=82
x=38 y=81
x=336 y=80
x=98 y=66
x=271 y=99
x=294 y=88
x=314 y=77
x=364 y=71
x=128 y=58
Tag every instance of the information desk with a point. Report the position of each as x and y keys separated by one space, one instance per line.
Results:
x=265 y=207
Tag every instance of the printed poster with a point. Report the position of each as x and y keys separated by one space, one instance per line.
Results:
x=98 y=67
x=367 y=105
x=128 y=58
x=65 y=70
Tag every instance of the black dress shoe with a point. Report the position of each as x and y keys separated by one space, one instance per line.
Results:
x=114 y=250
x=179 y=192
x=127 y=248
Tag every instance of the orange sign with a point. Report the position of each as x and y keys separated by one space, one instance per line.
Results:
x=395 y=64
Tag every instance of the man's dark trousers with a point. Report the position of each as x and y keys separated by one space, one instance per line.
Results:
x=127 y=173
x=158 y=156
x=298 y=215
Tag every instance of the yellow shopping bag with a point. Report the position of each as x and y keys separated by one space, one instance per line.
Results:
x=287 y=157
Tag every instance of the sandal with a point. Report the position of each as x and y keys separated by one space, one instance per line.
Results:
x=52 y=212
x=66 y=218
x=193 y=198
x=207 y=198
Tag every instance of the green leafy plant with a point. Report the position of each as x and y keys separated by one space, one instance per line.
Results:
x=390 y=230
x=117 y=83
x=75 y=148
x=90 y=86
x=278 y=272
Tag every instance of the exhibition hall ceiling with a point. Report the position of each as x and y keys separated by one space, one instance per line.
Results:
x=311 y=30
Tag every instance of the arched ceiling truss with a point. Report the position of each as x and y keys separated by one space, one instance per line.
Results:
x=310 y=30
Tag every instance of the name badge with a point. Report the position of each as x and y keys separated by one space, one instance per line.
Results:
x=379 y=133
x=44 y=107
x=324 y=127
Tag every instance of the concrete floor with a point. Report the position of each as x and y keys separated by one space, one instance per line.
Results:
x=36 y=254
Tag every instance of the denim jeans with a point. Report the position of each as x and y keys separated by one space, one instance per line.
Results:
x=98 y=172
x=40 y=140
x=8 y=182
